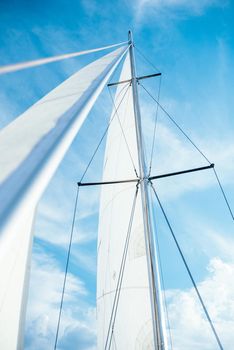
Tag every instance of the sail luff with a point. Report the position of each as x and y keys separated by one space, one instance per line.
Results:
x=31 y=148
x=41 y=61
x=160 y=341
x=50 y=143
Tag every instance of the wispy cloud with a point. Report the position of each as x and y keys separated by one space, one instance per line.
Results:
x=78 y=318
x=162 y=8
x=210 y=242
x=189 y=326
x=55 y=214
x=85 y=258
x=174 y=153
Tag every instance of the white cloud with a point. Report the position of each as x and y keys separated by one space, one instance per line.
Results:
x=55 y=212
x=78 y=318
x=174 y=153
x=189 y=327
x=210 y=241
x=179 y=3
x=54 y=225
x=168 y=7
x=85 y=258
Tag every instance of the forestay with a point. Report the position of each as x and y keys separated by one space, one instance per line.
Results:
x=31 y=148
x=132 y=328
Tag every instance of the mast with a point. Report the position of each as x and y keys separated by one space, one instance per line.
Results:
x=154 y=278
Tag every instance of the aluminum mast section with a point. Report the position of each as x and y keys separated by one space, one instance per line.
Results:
x=154 y=280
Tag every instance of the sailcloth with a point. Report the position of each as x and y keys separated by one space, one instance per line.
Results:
x=132 y=327
x=31 y=148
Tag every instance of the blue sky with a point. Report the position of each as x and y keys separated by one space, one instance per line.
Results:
x=192 y=44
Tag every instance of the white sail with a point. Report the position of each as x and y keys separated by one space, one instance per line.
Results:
x=132 y=328
x=31 y=148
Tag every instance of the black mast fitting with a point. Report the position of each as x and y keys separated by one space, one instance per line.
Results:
x=106 y=182
x=120 y=82
x=150 y=178
x=137 y=78
x=149 y=76
x=181 y=172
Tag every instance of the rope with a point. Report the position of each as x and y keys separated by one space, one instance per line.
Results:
x=120 y=277
x=29 y=64
x=176 y=124
x=155 y=127
x=66 y=269
x=162 y=278
x=224 y=195
x=188 y=271
x=104 y=134
x=125 y=139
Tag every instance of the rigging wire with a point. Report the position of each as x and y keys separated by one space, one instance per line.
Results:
x=146 y=59
x=155 y=127
x=158 y=105
x=104 y=134
x=188 y=270
x=121 y=127
x=224 y=195
x=110 y=331
x=158 y=98
x=176 y=124
x=162 y=278
x=66 y=269
x=41 y=61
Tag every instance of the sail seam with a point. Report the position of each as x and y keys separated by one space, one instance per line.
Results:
x=125 y=288
x=120 y=277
